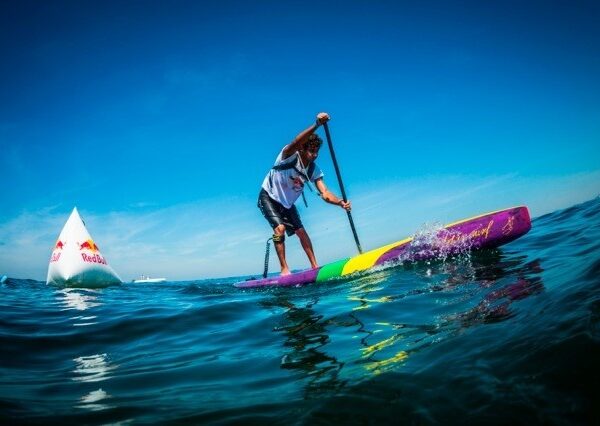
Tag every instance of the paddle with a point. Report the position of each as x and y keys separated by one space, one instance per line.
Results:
x=339 y=177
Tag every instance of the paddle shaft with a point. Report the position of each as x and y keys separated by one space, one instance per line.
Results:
x=342 y=190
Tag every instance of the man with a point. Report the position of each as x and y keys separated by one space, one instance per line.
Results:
x=295 y=165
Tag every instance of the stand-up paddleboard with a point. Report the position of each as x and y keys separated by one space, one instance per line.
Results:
x=76 y=260
x=486 y=231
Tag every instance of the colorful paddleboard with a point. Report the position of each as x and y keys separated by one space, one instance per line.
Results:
x=486 y=231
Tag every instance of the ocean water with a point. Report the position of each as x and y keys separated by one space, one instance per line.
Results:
x=506 y=336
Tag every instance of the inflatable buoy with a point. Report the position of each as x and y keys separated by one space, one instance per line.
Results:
x=76 y=260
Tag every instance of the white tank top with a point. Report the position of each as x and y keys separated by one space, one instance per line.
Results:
x=285 y=186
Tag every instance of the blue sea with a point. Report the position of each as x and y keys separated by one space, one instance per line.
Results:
x=505 y=336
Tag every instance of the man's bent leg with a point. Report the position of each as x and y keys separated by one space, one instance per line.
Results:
x=307 y=246
x=279 y=242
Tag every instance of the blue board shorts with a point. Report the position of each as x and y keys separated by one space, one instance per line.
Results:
x=277 y=215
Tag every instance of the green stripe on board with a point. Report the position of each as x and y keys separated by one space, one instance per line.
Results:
x=331 y=270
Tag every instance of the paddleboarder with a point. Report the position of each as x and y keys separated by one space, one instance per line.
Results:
x=294 y=168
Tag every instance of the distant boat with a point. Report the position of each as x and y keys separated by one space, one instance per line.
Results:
x=145 y=279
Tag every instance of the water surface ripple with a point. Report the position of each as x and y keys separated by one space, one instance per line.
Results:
x=498 y=336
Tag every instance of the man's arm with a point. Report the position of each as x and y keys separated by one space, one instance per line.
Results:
x=330 y=197
x=299 y=140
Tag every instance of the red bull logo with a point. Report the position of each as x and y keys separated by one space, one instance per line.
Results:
x=57 y=251
x=89 y=245
x=96 y=258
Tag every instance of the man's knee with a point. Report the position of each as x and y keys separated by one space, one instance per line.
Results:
x=279 y=234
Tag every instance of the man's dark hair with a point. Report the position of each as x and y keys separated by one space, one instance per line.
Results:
x=313 y=141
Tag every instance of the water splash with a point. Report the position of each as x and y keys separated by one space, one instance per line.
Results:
x=433 y=242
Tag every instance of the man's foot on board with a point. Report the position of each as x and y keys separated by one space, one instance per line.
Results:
x=285 y=272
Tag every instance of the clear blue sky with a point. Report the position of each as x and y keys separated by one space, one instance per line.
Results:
x=159 y=119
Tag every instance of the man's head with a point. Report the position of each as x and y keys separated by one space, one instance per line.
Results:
x=311 y=147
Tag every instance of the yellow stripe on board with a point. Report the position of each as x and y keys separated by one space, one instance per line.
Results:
x=368 y=259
